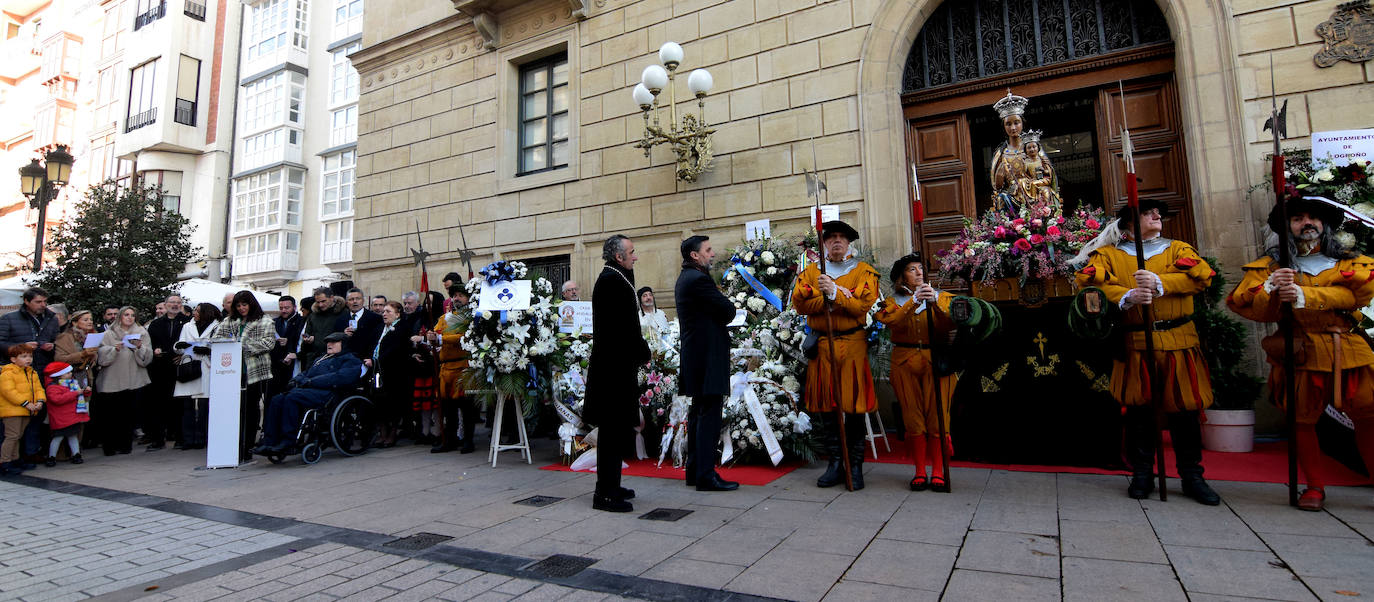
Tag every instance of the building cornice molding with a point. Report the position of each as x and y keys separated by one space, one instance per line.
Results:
x=377 y=56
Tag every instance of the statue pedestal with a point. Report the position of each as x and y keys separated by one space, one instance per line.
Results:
x=1035 y=292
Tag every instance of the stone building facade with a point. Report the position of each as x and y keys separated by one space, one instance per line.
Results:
x=439 y=114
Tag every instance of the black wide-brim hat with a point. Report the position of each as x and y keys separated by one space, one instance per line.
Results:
x=899 y=266
x=1330 y=215
x=1124 y=212
x=839 y=227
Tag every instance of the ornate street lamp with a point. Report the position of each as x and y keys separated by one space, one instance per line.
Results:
x=40 y=183
x=692 y=139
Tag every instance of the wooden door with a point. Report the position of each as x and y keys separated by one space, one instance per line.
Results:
x=1156 y=135
x=941 y=152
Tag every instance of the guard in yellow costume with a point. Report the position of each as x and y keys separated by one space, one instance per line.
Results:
x=1173 y=274
x=913 y=373
x=852 y=287
x=1333 y=362
x=453 y=360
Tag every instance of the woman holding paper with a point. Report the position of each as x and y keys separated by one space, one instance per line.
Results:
x=195 y=347
x=248 y=325
x=72 y=349
x=123 y=356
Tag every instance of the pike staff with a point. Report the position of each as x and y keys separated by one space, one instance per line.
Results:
x=1278 y=124
x=814 y=186
x=918 y=218
x=1146 y=310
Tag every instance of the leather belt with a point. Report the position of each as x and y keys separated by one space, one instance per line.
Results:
x=1161 y=325
x=911 y=345
x=840 y=333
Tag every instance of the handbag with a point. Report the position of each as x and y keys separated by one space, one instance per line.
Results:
x=188 y=371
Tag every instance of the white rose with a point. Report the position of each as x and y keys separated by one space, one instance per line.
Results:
x=749 y=257
x=1324 y=175
x=772 y=271
x=768 y=257
x=730 y=275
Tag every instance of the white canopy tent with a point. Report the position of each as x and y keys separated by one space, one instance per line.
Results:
x=197 y=290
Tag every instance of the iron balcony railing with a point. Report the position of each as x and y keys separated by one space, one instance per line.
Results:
x=139 y=120
x=152 y=14
x=195 y=10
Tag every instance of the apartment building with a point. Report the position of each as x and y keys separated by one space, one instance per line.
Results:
x=44 y=56
x=164 y=94
x=296 y=135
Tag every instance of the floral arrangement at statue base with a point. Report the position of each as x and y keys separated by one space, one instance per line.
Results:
x=1036 y=243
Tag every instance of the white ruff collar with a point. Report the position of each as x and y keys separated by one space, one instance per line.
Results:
x=1314 y=263
x=1152 y=247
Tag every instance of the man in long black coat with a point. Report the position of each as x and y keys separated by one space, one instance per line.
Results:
x=704 y=375
x=162 y=413
x=618 y=351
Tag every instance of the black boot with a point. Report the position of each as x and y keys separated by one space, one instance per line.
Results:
x=856 y=436
x=830 y=434
x=1140 y=451
x=1186 y=432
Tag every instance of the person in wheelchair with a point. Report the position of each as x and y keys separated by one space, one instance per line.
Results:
x=337 y=370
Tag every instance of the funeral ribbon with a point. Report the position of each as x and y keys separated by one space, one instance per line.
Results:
x=757 y=286
x=742 y=387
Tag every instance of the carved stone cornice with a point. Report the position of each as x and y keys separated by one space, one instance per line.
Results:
x=503 y=21
x=447 y=31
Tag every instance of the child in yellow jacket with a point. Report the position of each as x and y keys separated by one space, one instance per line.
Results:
x=21 y=396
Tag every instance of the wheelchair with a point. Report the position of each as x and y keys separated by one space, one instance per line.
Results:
x=348 y=423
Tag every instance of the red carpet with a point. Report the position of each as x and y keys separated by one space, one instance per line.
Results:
x=1267 y=464
x=744 y=475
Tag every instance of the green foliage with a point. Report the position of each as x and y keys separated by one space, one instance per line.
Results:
x=122 y=248
x=1223 y=340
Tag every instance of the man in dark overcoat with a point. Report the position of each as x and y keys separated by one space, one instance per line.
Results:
x=704 y=374
x=618 y=351
x=161 y=412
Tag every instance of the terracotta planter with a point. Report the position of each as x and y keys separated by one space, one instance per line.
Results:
x=1229 y=431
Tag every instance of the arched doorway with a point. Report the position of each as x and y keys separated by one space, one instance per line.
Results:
x=1074 y=59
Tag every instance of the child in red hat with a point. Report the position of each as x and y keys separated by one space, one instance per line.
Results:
x=67 y=410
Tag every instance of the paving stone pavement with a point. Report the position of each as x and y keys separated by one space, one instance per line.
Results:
x=999 y=535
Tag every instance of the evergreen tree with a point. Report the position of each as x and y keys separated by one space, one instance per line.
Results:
x=121 y=248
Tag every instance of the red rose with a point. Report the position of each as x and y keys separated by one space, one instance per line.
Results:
x=1023 y=244
x=1018 y=222
x=1037 y=239
x=1092 y=223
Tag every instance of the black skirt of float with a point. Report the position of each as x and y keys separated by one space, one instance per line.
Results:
x=1036 y=394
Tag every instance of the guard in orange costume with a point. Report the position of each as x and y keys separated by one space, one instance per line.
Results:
x=913 y=373
x=1328 y=288
x=453 y=360
x=1174 y=274
x=852 y=286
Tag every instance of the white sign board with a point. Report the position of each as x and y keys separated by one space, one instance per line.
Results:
x=574 y=315
x=504 y=296
x=226 y=364
x=759 y=228
x=829 y=213
x=1343 y=146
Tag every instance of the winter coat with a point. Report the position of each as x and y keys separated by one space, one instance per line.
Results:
x=199 y=387
x=121 y=368
x=365 y=335
x=70 y=349
x=702 y=313
x=258 y=338
x=331 y=373
x=319 y=324
x=62 y=402
x=618 y=348
x=20 y=326
x=19 y=386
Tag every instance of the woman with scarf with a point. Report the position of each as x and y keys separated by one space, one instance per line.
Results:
x=195 y=394
x=123 y=355
x=251 y=327
x=392 y=359
x=453 y=360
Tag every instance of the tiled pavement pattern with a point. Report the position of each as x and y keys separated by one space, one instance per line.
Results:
x=1000 y=535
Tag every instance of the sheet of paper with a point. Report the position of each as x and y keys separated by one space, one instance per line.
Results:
x=739 y=318
x=504 y=296
x=93 y=340
x=759 y=228
x=131 y=337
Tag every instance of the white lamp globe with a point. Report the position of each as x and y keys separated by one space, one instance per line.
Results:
x=700 y=82
x=670 y=54
x=655 y=78
x=643 y=97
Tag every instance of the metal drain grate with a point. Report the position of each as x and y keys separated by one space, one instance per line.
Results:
x=665 y=514
x=539 y=501
x=418 y=541
x=559 y=566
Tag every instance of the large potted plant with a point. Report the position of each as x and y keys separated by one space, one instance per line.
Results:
x=1230 y=422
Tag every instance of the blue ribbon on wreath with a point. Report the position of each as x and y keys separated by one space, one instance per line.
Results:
x=499 y=271
x=757 y=286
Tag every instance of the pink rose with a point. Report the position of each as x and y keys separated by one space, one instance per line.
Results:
x=1037 y=223
x=1060 y=220
x=1022 y=244
x=1018 y=222
x=1000 y=232
x=1053 y=231
x=1092 y=223
x=1037 y=239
